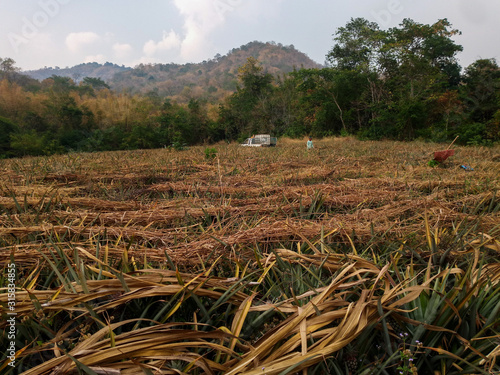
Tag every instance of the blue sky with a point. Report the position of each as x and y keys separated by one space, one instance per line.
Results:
x=39 y=33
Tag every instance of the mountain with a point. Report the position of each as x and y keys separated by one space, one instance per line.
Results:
x=77 y=73
x=210 y=80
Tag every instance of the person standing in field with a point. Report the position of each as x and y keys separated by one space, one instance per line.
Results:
x=310 y=144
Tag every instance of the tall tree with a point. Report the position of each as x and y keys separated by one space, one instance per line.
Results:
x=7 y=128
x=255 y=81
x=481 y=93
x=357 y=45
x=7 y=67
x=410 y=63
x=247 y=110
x=421 y=55
x=333 y=99
x=482 y=89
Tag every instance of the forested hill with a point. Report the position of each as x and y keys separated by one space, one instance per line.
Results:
x=211 y=79
x=77 y=73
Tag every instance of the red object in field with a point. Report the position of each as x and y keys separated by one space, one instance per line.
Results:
x=441 y=156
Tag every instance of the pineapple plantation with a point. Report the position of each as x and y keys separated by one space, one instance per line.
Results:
x=352 y=258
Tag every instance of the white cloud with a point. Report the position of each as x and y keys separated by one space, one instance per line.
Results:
x=75 y=41
x=122 y=51
x=201 y=18
x=169 y=41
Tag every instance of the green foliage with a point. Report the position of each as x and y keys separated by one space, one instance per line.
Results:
x=108 y=139
x=178 y=143
x=7 y=129
x=7 y=65
x=420 y=319
x=356 y=45
x=331 y=100
x=95 y=83
x=417 y=62
x=33 y=143
x=210 y=153
x=247 y=110
x=182 y=126
x=254 y=80
x=140 y=137
x=433 y=163
x=474 y=134
x=480 y=90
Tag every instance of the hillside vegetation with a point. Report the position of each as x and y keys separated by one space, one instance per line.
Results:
x=351 y=258
x=211 y=80
x=77 y=73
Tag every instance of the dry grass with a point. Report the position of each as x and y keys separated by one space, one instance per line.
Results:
x=179 y=202
x=118 y=227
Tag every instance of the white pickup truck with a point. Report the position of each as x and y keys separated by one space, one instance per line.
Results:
x=260 y=140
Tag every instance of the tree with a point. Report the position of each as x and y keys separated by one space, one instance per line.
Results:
x=448 y=114
x=481 y=89
x=175 y=127
x=421 y=55
x=7 y=67
x=333 y=99
x=7 y=129
x=410 y=64
x=13 y=101
x=255 y=81
x=60 y=85
x=32 y=143
x=90 y=85
x=481 y=94
x=247 y=110
x=284 y=108
x=198 y=122
x=95 y=83
x=357 y=45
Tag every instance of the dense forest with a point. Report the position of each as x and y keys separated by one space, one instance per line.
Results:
x=402 y=83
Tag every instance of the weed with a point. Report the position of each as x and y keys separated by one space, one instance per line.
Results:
x=210 y=153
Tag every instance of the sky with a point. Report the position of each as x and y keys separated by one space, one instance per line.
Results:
x=64 y=33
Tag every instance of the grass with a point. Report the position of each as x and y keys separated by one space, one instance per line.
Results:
x=355 y=257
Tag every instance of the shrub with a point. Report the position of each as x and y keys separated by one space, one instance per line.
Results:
x=210 y=153
x=474 y=134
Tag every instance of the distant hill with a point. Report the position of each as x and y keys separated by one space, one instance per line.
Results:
x=77 y=73
x=211 y=79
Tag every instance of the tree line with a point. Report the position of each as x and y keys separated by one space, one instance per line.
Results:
x=402 y=83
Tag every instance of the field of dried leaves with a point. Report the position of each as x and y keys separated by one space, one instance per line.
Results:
x=354 y=257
